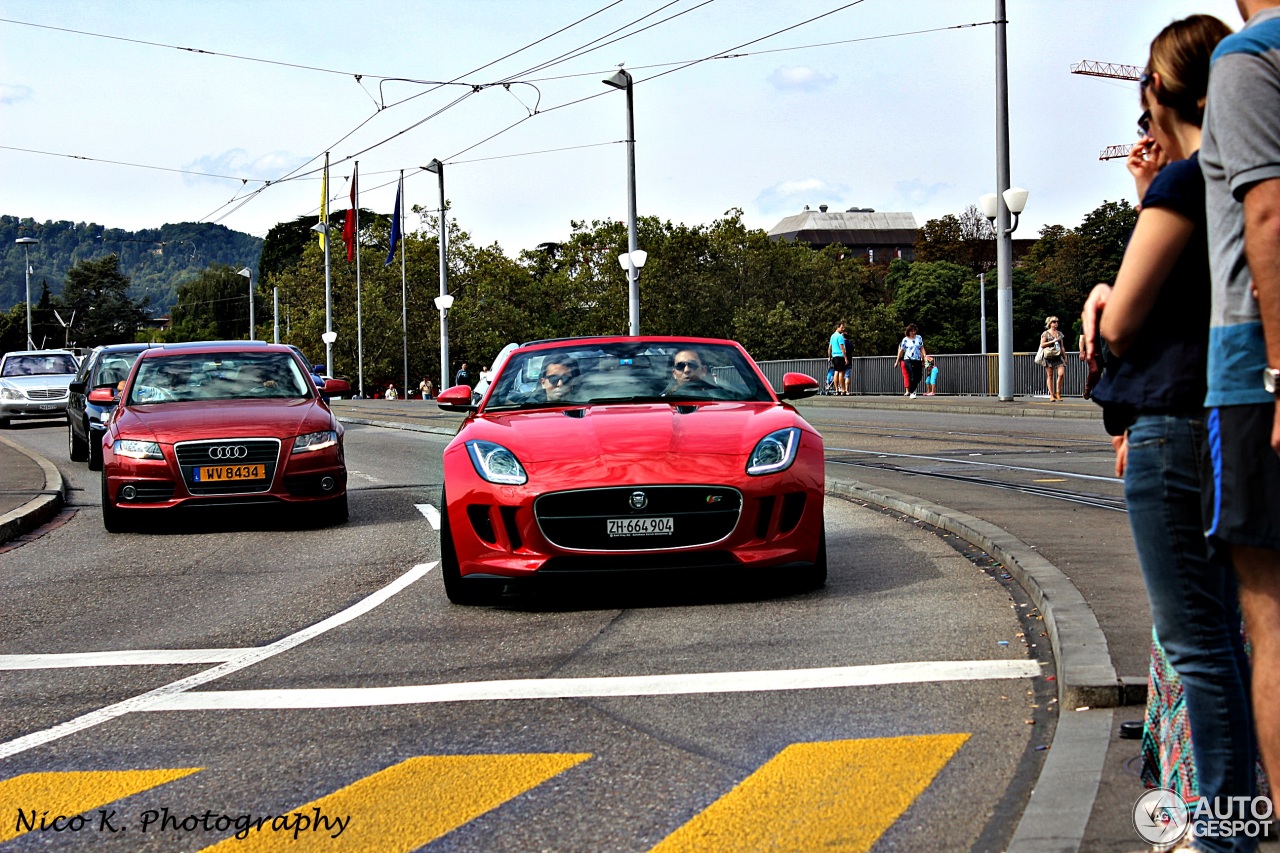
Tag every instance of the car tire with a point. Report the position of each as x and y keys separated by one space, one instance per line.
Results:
x=77 y=448
x=113 y=518
x=815 y=576
x=459 y=589
x=95 y=452
x=335 y=511
x=4 y=423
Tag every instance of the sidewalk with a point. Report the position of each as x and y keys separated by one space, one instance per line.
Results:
x=1084 y=768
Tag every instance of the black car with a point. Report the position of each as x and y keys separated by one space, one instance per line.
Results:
x=86 y=422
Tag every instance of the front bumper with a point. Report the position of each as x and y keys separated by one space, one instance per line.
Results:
x=33 y=408
x=496 y=531
x=153 y=484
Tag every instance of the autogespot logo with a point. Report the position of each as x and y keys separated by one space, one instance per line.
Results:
x=231 y=451
x=1160 y=816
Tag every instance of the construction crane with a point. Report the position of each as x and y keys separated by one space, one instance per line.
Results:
x=1114 y=71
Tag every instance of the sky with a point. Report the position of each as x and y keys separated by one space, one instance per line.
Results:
x=189 y=109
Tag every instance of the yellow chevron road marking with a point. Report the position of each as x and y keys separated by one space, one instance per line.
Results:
x=832 y=796
x=405 y=806
x=45 y=796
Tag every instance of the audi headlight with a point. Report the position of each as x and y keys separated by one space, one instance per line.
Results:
x=496 y=464
x=315 y=441
x=775 y=452
x=137 y=449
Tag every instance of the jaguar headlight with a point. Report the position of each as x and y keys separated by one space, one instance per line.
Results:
x=137 y=449
x=775 y=452
x=315 y=441
x=496 y=464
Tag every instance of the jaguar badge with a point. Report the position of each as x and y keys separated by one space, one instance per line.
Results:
x=639 y=500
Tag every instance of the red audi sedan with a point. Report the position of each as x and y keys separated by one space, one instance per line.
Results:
x=617 y=454
x=221 y=424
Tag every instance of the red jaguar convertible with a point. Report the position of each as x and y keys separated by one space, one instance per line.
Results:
x=617 y=454
x=220 y=424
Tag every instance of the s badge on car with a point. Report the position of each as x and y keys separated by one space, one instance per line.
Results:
x=639 y=500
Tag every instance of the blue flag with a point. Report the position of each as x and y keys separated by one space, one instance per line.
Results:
x=395 y=225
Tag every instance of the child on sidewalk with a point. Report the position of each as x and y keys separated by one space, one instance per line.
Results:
x=930 y=377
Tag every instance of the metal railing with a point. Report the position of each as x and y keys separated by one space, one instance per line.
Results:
x=973 y=375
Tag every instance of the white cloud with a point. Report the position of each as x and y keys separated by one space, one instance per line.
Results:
x=237 y=163
x=790 y=197
x=12 y=94
x=915 y=193
x=800 y=79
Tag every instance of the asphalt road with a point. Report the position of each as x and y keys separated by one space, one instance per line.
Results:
x=328 y=676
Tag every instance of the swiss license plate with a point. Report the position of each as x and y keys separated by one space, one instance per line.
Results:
x=641 y=526
x=47 y=407
x=222 y=473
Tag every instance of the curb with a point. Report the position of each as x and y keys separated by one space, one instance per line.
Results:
x=396 y=425
x=44 y=506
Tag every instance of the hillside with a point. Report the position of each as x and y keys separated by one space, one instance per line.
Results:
x=157 y=260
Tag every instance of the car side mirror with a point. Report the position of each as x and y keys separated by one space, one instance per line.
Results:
x=102 y=395
x=76 y=387
x=797 y=386
x=456 y=399
x=334 y=387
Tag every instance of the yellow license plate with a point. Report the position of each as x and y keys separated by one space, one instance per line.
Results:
x=223 y=473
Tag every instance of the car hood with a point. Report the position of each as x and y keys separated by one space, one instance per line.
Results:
x=661 y=433
x=44 y=380
x=183 y=421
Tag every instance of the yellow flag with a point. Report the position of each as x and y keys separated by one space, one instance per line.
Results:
x=324 y=200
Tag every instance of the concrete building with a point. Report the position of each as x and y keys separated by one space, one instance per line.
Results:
x=880 y=237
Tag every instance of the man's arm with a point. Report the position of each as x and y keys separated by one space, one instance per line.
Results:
x=1262 y=247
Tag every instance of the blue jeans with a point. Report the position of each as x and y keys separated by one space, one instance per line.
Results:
x=1192 y=591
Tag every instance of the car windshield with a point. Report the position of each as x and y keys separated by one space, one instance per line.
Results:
x=586 y=373
x=39 y=365
x=218 y=376
x=114 y=368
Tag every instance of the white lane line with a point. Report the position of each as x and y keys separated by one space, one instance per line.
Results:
x=131 y=657
x=956 y=461
x=577 y=688
x=243 y=659
x=432 y=514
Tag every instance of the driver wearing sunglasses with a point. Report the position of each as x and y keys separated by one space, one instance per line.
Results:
x=557 y=378
x=689 y=374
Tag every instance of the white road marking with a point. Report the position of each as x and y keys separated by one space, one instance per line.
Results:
x=243 y=659
x=134 y=657
x=572 y=688
x=432 y=514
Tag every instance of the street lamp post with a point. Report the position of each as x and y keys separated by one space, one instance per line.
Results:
x=248 y=274
x=329 y=335
x=622 y=80
x=26 y=243
x=1014 y=200
x=444 y=300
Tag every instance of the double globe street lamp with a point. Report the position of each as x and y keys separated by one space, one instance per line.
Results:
x=1015 y=199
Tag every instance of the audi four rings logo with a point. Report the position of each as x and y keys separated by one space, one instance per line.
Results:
x=231 y=451
x=639 y=500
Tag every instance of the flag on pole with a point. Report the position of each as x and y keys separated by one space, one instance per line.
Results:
x=349 y=225
x=395 y=223
x=324 y=199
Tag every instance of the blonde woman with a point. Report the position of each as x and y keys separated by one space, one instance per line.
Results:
x=1053 y=343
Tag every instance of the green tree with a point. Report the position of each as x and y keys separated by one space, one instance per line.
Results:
x=215 y=306
x=97 y=292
